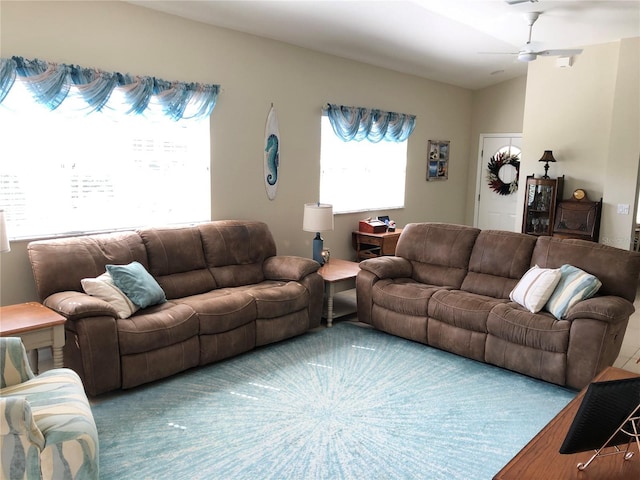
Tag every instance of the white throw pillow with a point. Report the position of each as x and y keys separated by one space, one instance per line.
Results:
x=105 y=289
x=535 y=288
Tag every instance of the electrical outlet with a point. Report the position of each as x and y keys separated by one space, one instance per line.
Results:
x=623 y=208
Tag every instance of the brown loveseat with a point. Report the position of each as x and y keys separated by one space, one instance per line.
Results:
x=227 y=292
x=448 y=286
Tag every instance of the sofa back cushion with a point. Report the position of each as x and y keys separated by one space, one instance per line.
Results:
x=617 y=269
x=235 y=250
x=59 y=264
x=499 y=259
x=438 y=252
x=176 y=260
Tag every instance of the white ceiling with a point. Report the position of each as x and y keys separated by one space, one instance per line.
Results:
x=435 y=39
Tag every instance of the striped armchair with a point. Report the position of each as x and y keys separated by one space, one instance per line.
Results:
x=46 y=426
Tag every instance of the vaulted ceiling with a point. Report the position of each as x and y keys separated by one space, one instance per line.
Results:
x=442 y=40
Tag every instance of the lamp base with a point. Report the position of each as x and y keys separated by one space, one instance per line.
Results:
x=317 y=249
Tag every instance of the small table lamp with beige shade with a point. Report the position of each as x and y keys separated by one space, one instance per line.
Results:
x=318 y=217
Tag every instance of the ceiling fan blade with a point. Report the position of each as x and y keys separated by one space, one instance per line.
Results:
x=516 y=2
x=498 y=53
x=561 y=53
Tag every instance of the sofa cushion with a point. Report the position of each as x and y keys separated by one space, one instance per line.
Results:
x=277 y=299
x=462 y=309
x=413 y=327
x=542 y=364
x=499 y=259
x=535 y=288
x=235 y=250
x=156 y=327
x=173 y=250
x=617 y=269
x=540 y=330
x=574 y=285
x=222 y=310
x=403 y=295
x=238 y=275
x=176 y=260
x=439 y=253
x=137 y=284
x=80 y=257
x=461 y=341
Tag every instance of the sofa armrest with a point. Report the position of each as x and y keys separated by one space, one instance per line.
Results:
x=16 y=420
x=75 y=305
x=388 y=267
x=289 y=268
x=14 y=365
x=607 y=308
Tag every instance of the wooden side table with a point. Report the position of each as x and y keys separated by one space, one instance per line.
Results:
x=37 y=326
x=540 y=458
x=369 y=245
x=335 y=272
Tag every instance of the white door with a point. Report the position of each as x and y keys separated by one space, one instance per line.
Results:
x=496 y=202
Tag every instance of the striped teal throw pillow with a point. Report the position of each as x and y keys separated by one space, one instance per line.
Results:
x=574 y=285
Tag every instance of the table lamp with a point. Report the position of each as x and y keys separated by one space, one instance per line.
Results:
x=318 y=217
x=4 y=239
x=547 y=157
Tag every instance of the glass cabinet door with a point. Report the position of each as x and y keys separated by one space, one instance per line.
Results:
x=540 y=204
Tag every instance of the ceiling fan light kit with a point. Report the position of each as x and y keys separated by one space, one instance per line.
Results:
x=526 y=54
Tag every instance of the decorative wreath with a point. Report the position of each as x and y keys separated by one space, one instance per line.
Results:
x=498 y=161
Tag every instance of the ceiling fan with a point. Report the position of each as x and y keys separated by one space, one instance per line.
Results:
x=527 y=54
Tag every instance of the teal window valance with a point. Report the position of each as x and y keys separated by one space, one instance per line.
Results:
x=51 y=84
x=359 y=123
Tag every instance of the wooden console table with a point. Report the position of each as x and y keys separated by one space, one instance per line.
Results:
x=369 y=245
x=37 y=326
x=540 y=458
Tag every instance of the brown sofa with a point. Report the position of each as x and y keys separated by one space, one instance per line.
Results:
x=448 y=286
x=227 y=292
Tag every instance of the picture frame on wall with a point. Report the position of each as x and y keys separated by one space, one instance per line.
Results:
x=438 y=160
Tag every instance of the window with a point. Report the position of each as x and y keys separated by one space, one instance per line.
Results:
x=64 y=173
x=361 y=176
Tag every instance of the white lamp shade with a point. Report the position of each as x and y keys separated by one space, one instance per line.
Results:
x=318 y=217
x=4 y=239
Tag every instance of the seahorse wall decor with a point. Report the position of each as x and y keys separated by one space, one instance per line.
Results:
x=271 y=154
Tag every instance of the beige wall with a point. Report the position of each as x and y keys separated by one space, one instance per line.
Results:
x=253 y=73
x=589 y=115
x=496 y=109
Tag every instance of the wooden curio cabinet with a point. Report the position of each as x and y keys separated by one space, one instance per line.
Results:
x=541 y=198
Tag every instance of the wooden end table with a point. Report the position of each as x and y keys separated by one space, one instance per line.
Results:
x=370 y=245
x=540 y=458
x=37 y=326
x=334 y=272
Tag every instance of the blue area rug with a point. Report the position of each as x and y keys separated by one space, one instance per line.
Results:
x=342 y=403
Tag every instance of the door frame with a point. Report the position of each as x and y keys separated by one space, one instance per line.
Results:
x=480 y=168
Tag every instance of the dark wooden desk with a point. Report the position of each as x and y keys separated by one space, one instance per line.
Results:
x=369 y=245
x=540 y=458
